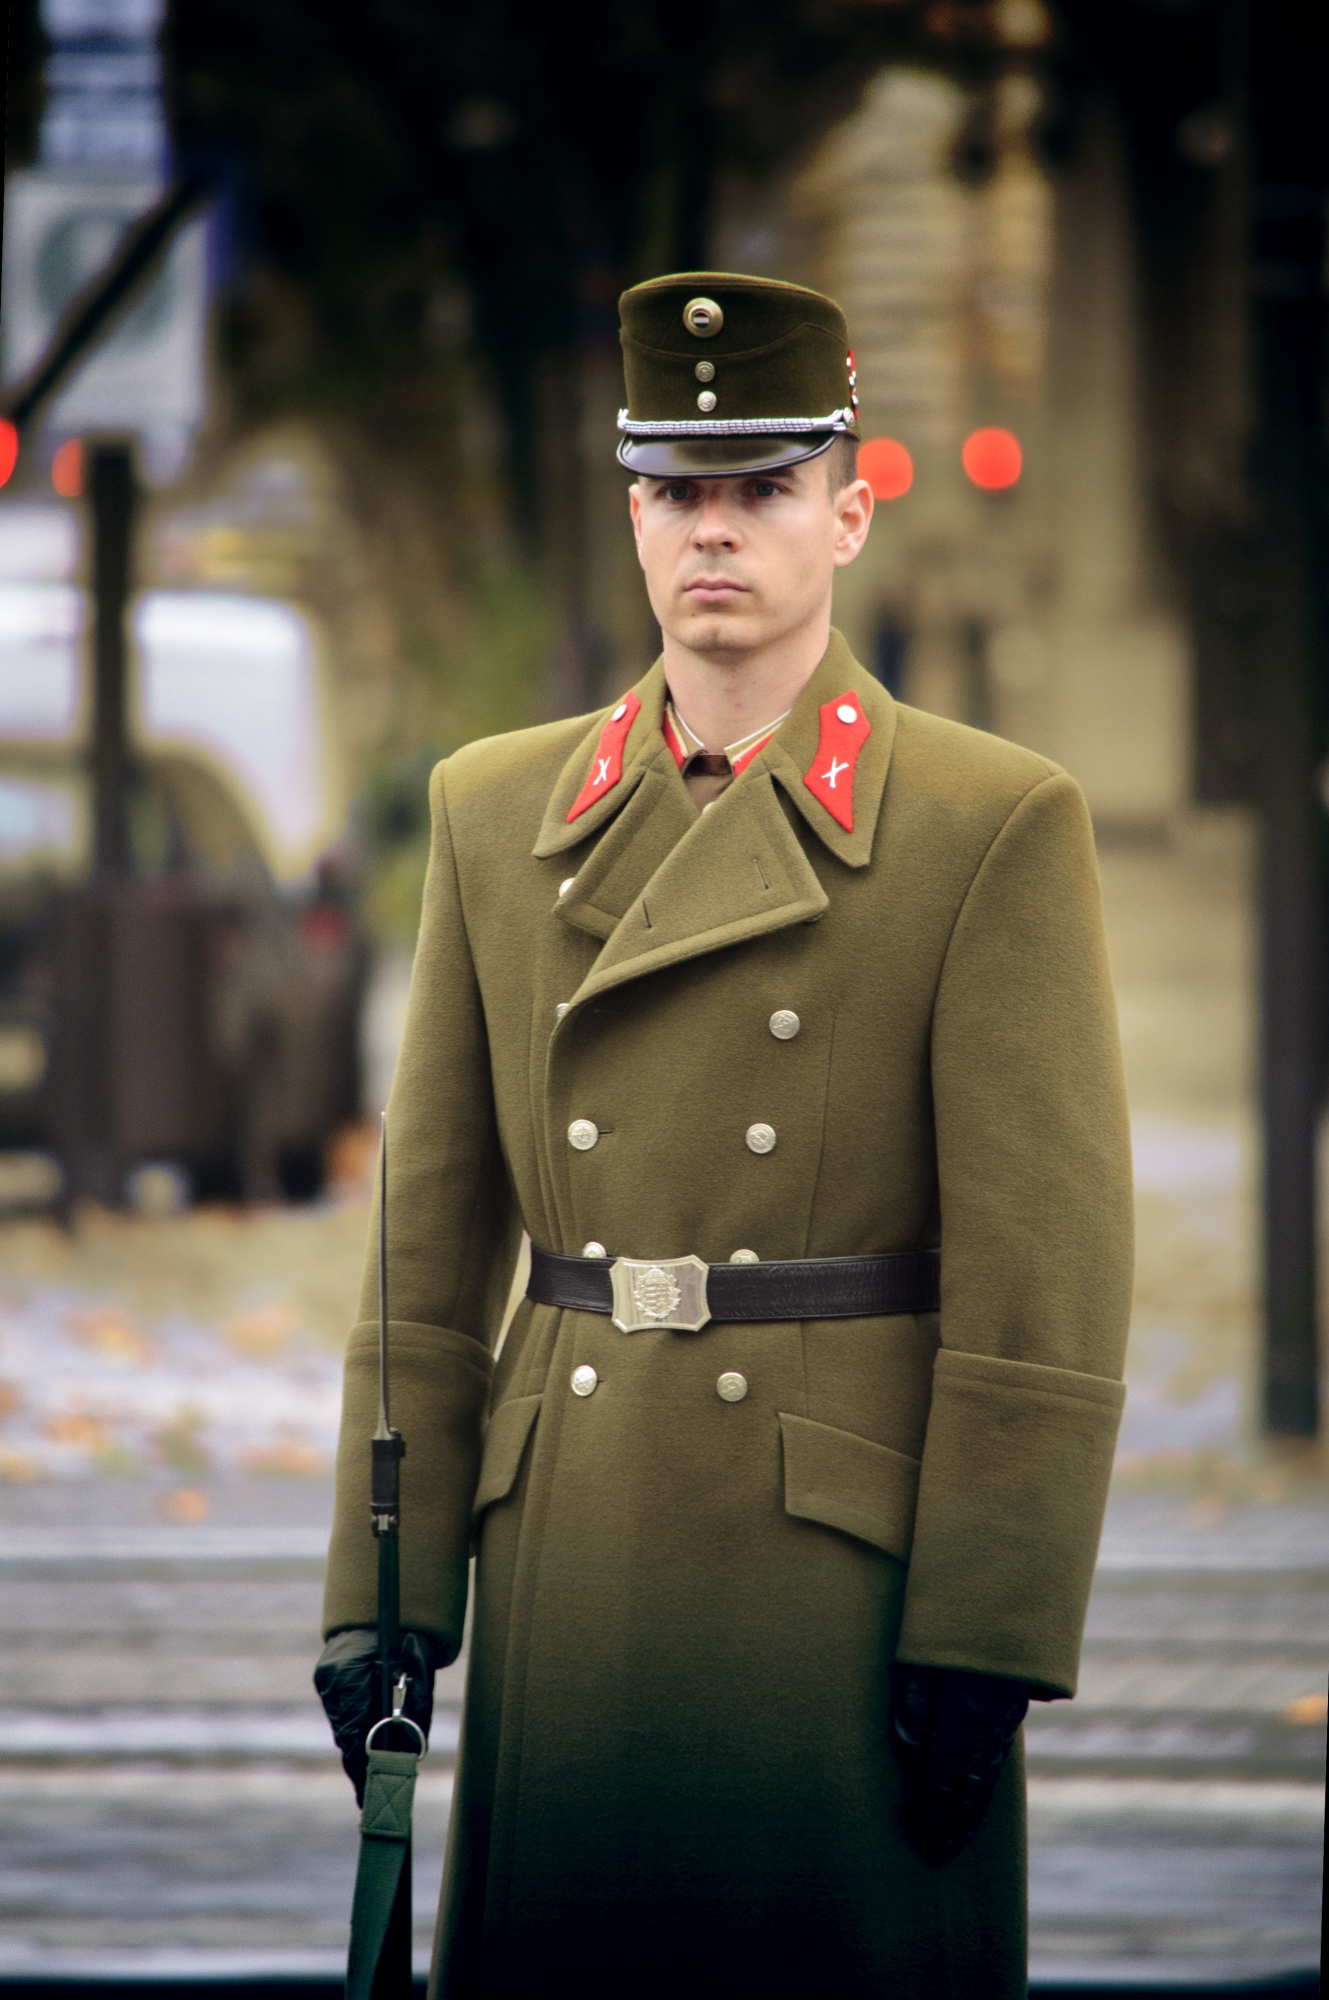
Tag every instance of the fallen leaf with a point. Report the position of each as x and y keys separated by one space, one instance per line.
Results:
x=110 y=1332
x=288 y=1460
x=19 y=1468
x=262 y=1331
x=90 y=1432
x=178 y=1444
x=1308 y=1708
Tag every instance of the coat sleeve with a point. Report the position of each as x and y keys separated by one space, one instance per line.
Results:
x=1033 y=1156
x=451 y=1244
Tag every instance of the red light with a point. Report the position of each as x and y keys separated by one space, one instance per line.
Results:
x=8 y=449
x=67 y=470
x=992 y=458
x=887 y=467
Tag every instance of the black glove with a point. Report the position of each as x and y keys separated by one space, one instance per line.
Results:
x=953 y=1732
x=349 y=1687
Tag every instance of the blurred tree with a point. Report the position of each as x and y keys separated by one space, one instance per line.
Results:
x=437 y=206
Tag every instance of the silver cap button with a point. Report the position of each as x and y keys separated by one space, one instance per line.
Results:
x=584 y=1380
x=784 y=1024
x=760 y=1138
x=564 y=886
x=583 y=1133
x=731 y=1387
x=561 y=1009
x=593 y=1249
x=745 y=1257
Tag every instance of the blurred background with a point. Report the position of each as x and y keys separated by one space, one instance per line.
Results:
x=309 y=349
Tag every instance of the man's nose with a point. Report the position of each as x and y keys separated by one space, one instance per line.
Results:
x=715 y=526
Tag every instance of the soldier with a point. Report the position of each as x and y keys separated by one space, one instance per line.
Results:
x=778 y=1014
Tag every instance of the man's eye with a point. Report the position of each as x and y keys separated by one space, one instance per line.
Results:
x=678 y=490
x=763 y=488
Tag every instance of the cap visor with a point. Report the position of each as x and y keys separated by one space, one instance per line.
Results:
x=718 y=458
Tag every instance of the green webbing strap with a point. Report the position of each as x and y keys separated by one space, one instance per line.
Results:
x=385 y=1839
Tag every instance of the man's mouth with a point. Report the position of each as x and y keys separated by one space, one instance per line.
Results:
x=713 y=589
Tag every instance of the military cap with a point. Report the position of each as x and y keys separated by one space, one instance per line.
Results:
x=729 y=374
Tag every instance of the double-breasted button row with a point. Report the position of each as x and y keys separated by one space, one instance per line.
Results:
x=583 y=1133
x=731 y=1387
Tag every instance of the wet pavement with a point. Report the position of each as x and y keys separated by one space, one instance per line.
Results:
x=169 y=1804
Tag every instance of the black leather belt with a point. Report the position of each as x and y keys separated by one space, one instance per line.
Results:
x=685 y=1293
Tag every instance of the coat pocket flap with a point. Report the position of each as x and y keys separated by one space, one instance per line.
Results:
x=848 y=1482
x=505 y=1441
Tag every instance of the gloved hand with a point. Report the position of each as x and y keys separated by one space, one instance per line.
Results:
x=347 y=1680
x=953 y=1732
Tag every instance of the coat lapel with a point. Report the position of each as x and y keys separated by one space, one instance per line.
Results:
x=790 y=753
x=737 y=873
x=664 y=884
x=644 y=741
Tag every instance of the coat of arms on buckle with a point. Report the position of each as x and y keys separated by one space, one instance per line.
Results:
x=670 y=1291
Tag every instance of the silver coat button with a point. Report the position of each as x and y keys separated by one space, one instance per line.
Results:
x=760 y=1138
x=583 y=1133
x=706 y=401
x=705 y=371
x=585 y=1380
x=784 y=1024
x=745 y=1257
x=563 y=887
x=846 y=712
x=731 y=1388
x=561 y=1009
x=593 y=1249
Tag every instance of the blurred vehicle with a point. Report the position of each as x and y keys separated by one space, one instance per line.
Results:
x=198 y=1016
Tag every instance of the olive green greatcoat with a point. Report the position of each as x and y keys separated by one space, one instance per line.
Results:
x=676 y=1775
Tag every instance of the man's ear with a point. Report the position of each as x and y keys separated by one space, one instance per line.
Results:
x=634 y=509
x=853 y=510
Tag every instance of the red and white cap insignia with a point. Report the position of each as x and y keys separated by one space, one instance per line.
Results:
x=844 y=731
x=607 y=763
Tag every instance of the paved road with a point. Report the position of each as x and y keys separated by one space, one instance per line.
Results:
x=167 y=1801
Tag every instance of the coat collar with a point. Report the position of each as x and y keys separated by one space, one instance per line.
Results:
x=663 y=883
x=644 y=747
x=786 y=759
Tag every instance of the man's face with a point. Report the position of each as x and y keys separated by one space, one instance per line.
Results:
x=733 y=565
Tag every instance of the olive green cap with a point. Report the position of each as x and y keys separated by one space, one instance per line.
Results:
x=729 y=374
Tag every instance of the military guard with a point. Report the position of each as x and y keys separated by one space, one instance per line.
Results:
x=778 y=1014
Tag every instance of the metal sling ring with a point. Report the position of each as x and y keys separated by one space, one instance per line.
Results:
x=402 y=1722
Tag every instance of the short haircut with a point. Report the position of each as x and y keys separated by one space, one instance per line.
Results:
x=841 y=463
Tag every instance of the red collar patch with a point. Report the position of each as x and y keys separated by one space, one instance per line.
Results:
x=607 y=763
x=844 y=731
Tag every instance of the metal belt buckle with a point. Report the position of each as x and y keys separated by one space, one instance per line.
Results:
x=671 y=1291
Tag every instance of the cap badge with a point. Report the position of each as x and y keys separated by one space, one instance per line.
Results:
x=703 y=318
x=607 y=763
x=830 y=779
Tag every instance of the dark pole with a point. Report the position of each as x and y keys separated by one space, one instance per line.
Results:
x=112 y=492
x=1289 y=175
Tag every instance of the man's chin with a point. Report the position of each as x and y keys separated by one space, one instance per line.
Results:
x=720 y=628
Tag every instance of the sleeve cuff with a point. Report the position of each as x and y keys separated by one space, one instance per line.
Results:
x=1014 y=1483
x=440 y=1394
